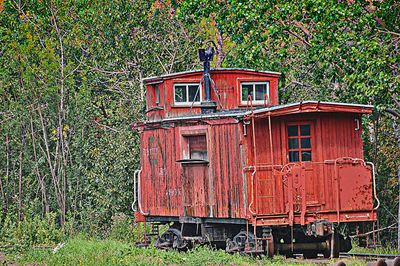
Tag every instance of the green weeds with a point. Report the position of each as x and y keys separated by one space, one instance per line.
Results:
x=378 y=250
x=88 y=251
x=30 y=231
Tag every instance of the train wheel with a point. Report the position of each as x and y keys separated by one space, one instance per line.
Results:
x=326 y=252
x=244 y=241
x=171 y=239
x=269 y=247
x=231 y=247
x=245 y=244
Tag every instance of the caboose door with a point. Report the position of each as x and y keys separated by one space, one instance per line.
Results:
x=194 y=190
x=301 y=154
x=302 y=173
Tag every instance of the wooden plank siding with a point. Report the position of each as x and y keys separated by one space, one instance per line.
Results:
x=213 y=189
x=333 y=136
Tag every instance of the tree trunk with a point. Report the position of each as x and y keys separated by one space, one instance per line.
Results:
x=47 y=154
x=396 y=129
x=3 y=196
x=21 y=158
x=21 y=154
x=220 y=51
x=398 y=217
x=40 y=179
x=142 y=89
x=7 y=172
x=63 y=157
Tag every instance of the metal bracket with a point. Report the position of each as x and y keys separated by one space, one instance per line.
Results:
x=357 y=124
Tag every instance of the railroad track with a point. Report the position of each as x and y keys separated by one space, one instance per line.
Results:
x=369 y=255
x=370 y=259
x=374 y=259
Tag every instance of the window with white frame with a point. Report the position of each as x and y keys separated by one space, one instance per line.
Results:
x=257 y=90
x=187 y=93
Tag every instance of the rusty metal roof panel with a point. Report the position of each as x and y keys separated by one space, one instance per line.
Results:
x=313 y=106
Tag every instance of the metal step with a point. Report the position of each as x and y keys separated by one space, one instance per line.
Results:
x=155 y=230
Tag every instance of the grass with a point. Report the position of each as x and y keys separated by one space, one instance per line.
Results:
x=378 y=250
x=86 y=251
x=89 y=251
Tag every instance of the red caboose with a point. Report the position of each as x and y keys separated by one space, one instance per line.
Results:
x=223 y=163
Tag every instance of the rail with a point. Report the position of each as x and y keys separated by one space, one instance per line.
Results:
x=368 y=255
x=374 y=185
x=252 y=191
x=368 y=258
x=137 y=197
x=134 y=203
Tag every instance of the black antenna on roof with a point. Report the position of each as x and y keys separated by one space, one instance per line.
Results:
x=205 y=56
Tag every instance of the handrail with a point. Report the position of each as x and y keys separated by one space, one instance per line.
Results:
x=139 y=194
x=261 y=166
x=249 y=100
x=267 y=100
x=252 y=190
x=337 y=191
x=374 y=185
x=134 y=208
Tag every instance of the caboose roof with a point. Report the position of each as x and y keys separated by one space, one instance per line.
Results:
x=278 y=110
x=312 y=107
x=195 y=72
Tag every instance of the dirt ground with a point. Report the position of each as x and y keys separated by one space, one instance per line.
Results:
x=4 y=261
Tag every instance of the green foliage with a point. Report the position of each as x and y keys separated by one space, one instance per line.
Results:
x=122 y=228
x=31 y=231
x=386 y=155
x=379 y=250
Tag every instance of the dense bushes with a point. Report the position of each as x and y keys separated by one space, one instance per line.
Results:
x=122 y=228
x=31 y=231
x=45 y=232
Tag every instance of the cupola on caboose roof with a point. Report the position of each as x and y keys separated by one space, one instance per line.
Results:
x=182 y=93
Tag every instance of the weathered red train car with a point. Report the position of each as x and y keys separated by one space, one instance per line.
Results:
x=222 y=162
